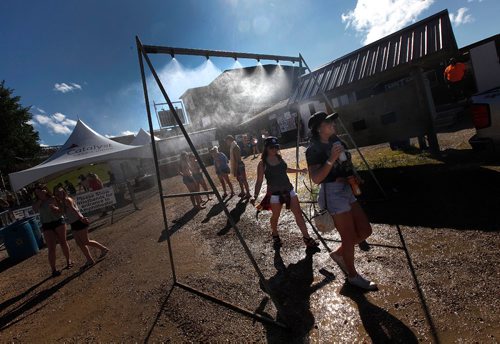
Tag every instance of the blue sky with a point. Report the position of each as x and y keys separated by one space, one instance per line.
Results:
x=77 y=59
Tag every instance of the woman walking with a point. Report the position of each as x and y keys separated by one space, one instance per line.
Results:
x=188 y=180
x=53 y=226
x=330 y=166
x=79 y=226
x=222 y=170
x=279 y=190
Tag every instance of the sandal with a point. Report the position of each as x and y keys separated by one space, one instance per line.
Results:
x=277 y=243
x=56 y=273
x=70 y=265
x=310 y=242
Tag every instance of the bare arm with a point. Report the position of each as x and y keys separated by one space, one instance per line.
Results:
x=235 y=159
x=55 y=208
x=319 y=172
x=296 y=170
x=72 y=205
x=260 y=178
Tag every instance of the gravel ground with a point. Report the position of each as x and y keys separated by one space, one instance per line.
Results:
x=439 y=284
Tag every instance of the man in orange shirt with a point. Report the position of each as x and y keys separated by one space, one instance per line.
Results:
x=454 y=76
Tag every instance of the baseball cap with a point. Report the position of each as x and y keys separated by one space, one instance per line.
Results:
x=320 y=117
x=271 y=141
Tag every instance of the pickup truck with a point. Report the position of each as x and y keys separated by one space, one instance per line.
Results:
x=485 y=111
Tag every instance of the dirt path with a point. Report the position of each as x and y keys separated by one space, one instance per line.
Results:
x=444 y=285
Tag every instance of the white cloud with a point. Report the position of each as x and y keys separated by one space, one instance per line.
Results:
x=57 y=123
x=39 y=110
x=64 y=87
x=376 y=19
x=123 y=133
x=461 y=17
x=59 y=116
x=127 y=132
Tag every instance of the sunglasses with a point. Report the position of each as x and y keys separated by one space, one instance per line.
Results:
x=273 y=147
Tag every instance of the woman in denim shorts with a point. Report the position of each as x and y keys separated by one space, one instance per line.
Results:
x=279 y=190
x=53 y=226
x=327 y=170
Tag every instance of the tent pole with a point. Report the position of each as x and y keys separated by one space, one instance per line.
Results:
x=314 y=77
x=155 y=157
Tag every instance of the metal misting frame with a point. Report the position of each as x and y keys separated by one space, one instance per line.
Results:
x=143 y=51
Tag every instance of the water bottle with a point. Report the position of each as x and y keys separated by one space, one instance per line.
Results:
x=342 y=156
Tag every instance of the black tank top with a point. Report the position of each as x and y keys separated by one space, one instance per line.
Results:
x=276 y=177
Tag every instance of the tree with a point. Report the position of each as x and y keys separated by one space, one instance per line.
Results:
x=18 y=139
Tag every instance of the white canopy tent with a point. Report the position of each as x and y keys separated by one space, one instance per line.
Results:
x=84 y=146
x=142 y=138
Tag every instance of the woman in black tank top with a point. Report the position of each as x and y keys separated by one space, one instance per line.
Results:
x=279 y=190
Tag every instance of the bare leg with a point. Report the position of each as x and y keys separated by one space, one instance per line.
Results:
x=51 y=240
x=247 y=188
x=276 y=211
x=295 y=208
x=223 y=183
x=228 y=181
x=195 y=188
x=242 y=189
x=346 y=227
x=188 y=186
x=81 y=241
x=61 y=238
x=93 y=243
x=204 y=185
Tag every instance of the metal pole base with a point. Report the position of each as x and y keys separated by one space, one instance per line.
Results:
x=229 y=305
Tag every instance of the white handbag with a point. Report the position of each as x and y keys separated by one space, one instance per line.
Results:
x=323 y=219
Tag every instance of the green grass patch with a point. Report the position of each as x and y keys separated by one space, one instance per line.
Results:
x=384 y=157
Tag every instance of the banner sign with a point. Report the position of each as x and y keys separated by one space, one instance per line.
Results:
x=95 y=200
x=287 y=122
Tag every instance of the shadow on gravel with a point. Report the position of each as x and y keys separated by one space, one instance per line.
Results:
x=291 y=288
x=215 y=210
x=236 y=213
x=381 y=326
x=16 y=298
x=435 y=195
x=7 y=319
x=6 y=264
x=178 y=223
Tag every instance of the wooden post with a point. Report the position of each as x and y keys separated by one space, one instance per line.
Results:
x=427 y=105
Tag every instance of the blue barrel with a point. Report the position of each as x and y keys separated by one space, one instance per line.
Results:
x=35 y=226
x=19 y=240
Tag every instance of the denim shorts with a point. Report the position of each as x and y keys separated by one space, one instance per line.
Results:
x=339 y=197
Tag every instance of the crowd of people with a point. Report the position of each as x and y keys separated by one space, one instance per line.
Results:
x=329 y=166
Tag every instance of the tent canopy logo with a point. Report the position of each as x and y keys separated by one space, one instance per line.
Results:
x=74 y=149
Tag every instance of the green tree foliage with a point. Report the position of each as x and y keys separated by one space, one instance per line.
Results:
x=19 y=145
